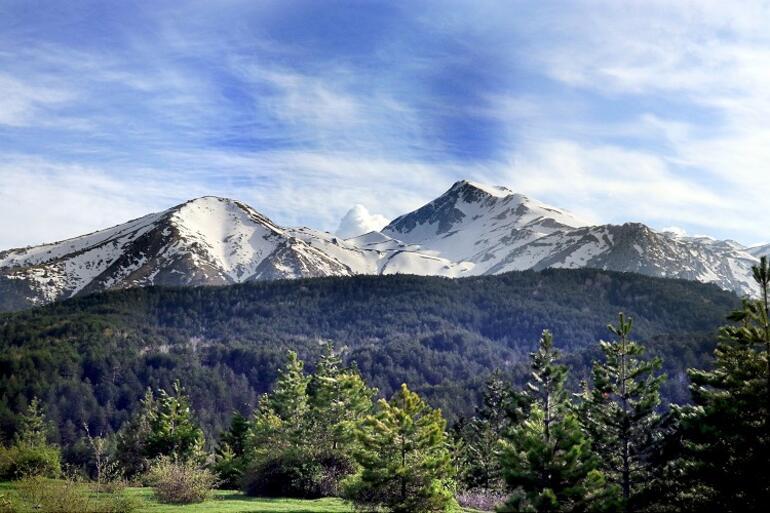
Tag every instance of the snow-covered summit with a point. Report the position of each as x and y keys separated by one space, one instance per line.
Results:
x=471 y=229
x=479 y=223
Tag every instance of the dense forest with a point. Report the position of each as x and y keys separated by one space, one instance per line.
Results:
x=610 y=444
x=91 y=359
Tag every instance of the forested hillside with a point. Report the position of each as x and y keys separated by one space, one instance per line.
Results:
x=90 y=359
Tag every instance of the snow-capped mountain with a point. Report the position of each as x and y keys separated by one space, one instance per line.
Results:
x=480 y=224
x=471 y=229
x=499 y=231
x=206 y=241
x=759 y=251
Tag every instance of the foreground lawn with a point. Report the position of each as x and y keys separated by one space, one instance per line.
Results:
x=225 y=501
x=229 y=501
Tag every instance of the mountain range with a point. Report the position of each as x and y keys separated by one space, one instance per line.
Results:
x=472 y=229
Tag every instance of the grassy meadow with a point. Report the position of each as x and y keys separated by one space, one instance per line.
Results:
x=225 y=501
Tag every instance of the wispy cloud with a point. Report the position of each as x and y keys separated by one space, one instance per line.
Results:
x=645 y=111
x=26 y=104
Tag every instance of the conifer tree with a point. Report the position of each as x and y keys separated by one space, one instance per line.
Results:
x=174 y=431
x=288 y=398
x=132 y=438
x=231 y=456
x=31 y=454
x=727 y=432
x=478 y=449
x=405 y=458
x=620 y=412
x=33 y=429
x=280 y=420
x=547 y=460
x=236 y=436
x=338 y=399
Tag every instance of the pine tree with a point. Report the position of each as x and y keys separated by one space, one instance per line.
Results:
x=620 y=412
x=727 y=431
x=405 y=458
x=231 y=455
x=236 y=436
x=478 y=448
x=338 y=399
x=31 y=454
x=33 y=428
x=132 y=438
x=174 y=431
x=547 y=460
x=280 y=420
x=288 y=398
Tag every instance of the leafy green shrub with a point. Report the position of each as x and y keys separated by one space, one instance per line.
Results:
x=298 y=474
x=119 y=503
x=54 y=496
x=6 y=505
x=22 y=460
x=45 y=495
x=180 y=483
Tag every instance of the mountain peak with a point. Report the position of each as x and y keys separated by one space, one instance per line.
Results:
x=471 y=229
x=214 y=213
x=496 y=191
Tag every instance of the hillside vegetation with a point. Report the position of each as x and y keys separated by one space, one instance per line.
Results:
x=91 y=359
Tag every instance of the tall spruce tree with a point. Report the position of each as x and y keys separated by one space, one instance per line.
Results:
x=547 y=460
x=33 y=428
x=231 y=457
x=132 y=438
x=237 y=435
x=405 y=458
x=478 y=448
x=173 y=430
x=280 y=421
x=338 y=398
x=620 y=412
x=727 y=431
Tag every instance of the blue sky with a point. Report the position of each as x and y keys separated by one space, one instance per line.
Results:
x=620 y=111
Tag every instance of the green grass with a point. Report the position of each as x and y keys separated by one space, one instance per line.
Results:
x=225 y=501
x=229 y=501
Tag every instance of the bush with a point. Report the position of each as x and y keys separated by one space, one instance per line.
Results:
x=66 y=496
x=54 y=496
x=297 y=474
x=19 y=461
x=120 y=503
x=180 y=483
x=6 y=506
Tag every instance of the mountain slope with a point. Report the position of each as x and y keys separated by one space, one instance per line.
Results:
x=207 y=241
x=470 y=230
x=90 y=358
x=496 y=231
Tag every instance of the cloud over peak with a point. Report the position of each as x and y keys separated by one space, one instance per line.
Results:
x=358 y=221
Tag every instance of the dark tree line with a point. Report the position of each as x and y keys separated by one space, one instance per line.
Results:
x=91 y=359
x=609 y=443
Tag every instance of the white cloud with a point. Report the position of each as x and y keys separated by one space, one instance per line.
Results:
x=358 y=221
x=611 y=184
x=699 y=157
x=21 y=103
x=675 y=230
x=43 y=201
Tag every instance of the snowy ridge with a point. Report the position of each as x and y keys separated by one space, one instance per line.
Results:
x=472 y=229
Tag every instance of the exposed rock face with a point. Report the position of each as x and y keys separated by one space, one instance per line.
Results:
x=471 y=229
